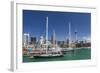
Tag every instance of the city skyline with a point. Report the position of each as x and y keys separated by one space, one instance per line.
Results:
x=34 y=23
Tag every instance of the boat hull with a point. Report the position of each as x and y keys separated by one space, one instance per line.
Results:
x=48 y=56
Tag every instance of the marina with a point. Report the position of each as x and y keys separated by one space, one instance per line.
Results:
x=50 y=51
x=79 y=54
x=47 y=46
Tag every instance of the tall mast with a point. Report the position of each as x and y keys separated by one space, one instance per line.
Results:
x=54 y=38
x=46 y=32
x=69 y=35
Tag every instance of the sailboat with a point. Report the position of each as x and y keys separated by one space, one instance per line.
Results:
x=53 y=51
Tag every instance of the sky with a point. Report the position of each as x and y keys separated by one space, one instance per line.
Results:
x=34 y=23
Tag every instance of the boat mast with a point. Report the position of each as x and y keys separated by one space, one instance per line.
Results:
x=46 y=33
x=54 y=42
x=69 y=35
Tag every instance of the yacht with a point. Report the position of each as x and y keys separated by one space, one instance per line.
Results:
x=48 y=49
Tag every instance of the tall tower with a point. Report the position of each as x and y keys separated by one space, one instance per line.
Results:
x=76 y=35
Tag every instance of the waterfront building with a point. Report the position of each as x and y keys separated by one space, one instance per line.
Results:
x=26 y=39
x=53 y=39
x=41 y=40
x=33 y=40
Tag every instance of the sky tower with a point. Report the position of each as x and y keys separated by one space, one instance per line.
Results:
x=76 y=35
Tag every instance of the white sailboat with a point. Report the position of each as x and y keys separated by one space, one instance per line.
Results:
x=54 y=51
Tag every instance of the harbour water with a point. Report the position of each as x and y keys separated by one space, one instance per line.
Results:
x=77 y=54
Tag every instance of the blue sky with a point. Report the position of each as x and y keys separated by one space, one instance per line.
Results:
x=34 y=23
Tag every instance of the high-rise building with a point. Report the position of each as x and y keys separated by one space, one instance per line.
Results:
x=26 y=39
x=53 y=39
x=33 y=40
x=41 y=40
